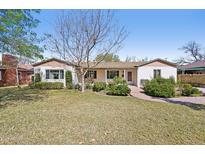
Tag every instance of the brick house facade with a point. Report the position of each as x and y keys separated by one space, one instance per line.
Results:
x=8 y=72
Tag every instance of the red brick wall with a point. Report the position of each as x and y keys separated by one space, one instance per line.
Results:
x=9 y=62
x=25 y=77
x=10 y=77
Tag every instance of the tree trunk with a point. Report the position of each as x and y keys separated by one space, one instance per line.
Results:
x=83 y=83
x=82 y=74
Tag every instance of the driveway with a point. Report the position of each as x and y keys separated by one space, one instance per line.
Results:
x=139 y=93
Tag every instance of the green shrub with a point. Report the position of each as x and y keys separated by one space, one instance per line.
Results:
x=69 y=83
x=161 y=80
x=160 y=87
x=98 y=86
x=78 y=87
x=118 y=87
x=172 y=80
x=31 y=85
x=195 y=92
x=37 y=77
x=48 y=85
x=89 y=85
x=119 y=80
x=186 y=90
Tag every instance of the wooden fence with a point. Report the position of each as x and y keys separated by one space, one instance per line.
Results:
x=194 y=79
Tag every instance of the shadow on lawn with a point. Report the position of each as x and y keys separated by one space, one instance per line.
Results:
x=186 y=103
x=12 y=95
x=194 y=106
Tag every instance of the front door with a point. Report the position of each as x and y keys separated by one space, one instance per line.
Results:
x=129 y=76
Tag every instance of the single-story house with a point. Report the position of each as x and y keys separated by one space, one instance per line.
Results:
x=53 y=70
x=135 y=73
x=9 y=69
x=193 y=68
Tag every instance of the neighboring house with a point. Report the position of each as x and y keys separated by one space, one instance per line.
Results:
x=53 y=70
x=193 y=68
x=8 y=73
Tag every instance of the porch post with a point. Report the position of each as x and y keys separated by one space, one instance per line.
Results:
x=124 y=75
x=64 y=78
x=105 y=76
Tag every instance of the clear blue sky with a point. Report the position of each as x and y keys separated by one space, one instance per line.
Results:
x=152 y=33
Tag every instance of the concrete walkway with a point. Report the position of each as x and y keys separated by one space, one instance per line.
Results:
x=139 y=93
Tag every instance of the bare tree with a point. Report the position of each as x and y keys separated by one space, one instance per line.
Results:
x=81 y=35
x=130 y=59
x=134 y=59
x=193 y=51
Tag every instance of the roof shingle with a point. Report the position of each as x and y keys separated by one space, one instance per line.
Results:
x=194 y=64
x=115 y=64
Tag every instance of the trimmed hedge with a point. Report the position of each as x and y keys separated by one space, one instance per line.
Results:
x=118 y=87
x=98 y=86
x=47 y=85
x=69 y=82
x=160 y=87
x=37 y=77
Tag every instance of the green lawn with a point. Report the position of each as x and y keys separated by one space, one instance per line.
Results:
x=69 y=117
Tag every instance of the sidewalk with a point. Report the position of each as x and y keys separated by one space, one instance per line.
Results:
x=139 y=93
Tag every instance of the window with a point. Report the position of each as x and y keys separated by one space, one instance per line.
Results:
x=157 y=73
x=112 y=74
x=61 y=74
x=91 y=74
x=54 y=74
x=47 y=74
x=0 y=76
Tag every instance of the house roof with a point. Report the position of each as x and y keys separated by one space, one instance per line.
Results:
x=26 y=66
x=51 y=59
x=100 y=65
x=198 y=64
x=160 y=60
x=109 y=65
x=19 y=68
x=115 y=64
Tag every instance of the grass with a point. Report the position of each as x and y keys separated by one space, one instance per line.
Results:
x=68 y=117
